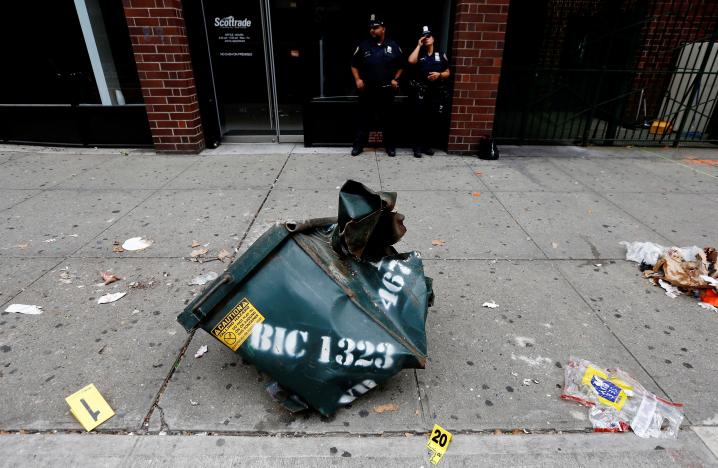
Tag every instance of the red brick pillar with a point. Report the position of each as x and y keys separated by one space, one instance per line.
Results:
x=159 y=42
x=477 y=50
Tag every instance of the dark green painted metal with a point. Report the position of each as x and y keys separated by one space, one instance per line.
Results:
x=334 y=326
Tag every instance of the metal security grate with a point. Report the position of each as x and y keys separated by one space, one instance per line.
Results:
x=609 y=72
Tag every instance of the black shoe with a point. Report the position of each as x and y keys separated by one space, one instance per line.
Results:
x=391 y=152
x=356 y=150
x=427 y=151
x=417 y=153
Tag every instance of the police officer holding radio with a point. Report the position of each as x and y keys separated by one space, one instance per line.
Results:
x=429 y=91
x=377 y=65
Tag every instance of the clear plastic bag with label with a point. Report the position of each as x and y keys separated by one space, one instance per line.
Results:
x=618 y=401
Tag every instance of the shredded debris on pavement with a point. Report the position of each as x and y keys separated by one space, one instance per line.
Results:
x=112 y=297
x=201 y=280
x=109 y=278
x=24 y=309
x=387 y=408
x=201 y=351
x=678 y=270
x=619 y=402
x=136 y=243
x=490 y=304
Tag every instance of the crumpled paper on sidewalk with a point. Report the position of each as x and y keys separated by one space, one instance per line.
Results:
x=678 y=270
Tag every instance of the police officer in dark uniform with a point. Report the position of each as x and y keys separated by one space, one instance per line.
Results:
x=429 y=91
x=377 y=65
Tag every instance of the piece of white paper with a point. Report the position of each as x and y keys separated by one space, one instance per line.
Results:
x=24 y=309
x=112 y=297
x=136 y=243
x=490 y=305
x=201 y=351
x=671 y=291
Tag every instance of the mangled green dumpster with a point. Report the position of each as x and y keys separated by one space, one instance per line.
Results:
x=326 y=307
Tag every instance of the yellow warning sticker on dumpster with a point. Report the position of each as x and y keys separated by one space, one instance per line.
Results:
x=237 y=325
x=88 y=406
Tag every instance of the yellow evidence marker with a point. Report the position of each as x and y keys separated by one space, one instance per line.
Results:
x=88 y=406
x=439 y=441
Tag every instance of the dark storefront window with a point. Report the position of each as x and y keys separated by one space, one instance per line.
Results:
x=69 y=75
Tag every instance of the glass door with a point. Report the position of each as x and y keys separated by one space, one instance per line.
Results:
x=251 y=105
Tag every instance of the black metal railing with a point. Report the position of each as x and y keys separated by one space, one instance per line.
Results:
x=609 y=72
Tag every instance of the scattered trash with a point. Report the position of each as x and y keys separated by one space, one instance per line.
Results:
x=678 y=270
x=195 y=244
x=476 y=194
x=198 y=252
x=618 y=401
x=326 y=307
x=201 y=351
x=194 y=403
x=649 y=252
x=65 y=276
x=109 y=278
x=598 y=265
x=708 y=306
x=709 y=296
x=526 y=382
x=136 y=243
x=387 y=408
x=704 y=162
x=554 y=245
x=112 y=297
x=201 y=280
x=224 y=255
x=438 y=242
x=711 y=281
x=24 y=309
x=117 y=247
x=490 y=305
x=671 y=291
x=478 y=173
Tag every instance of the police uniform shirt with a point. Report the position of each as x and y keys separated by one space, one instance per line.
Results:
x=436 y=62
x=377 y=63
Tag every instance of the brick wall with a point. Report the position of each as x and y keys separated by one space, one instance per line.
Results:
x=478 y=46
x=670 y=25
x=159 y=42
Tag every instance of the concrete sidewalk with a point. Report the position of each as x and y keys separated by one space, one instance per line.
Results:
x=537 y=231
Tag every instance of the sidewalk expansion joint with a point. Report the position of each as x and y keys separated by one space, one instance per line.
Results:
x=155 y=403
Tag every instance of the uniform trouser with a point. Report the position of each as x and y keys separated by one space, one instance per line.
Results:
x=376 y=107
x=427 y=120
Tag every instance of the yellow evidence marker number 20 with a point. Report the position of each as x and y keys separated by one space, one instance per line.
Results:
x=439 y=441
x=88 y=406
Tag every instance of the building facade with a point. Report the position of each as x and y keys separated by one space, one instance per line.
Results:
x=183 y=75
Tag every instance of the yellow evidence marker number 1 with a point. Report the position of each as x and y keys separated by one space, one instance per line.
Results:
x=439 y=441
x=88 y=406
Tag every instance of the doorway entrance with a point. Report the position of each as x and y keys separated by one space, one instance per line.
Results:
x=256 y=65
x=279 y=70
